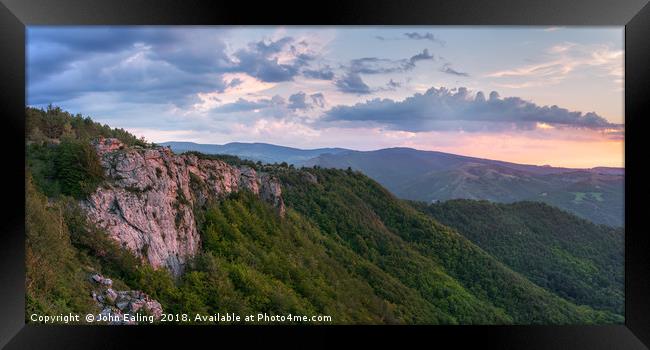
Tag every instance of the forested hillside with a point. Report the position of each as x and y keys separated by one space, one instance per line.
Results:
x=417 y=250
x=572 y=257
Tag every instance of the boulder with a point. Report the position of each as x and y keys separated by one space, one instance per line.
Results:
x=107 y=282
x=122 y=305
x=97 y=278
x=111 y=296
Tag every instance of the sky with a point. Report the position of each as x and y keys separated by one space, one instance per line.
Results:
x=533 y=95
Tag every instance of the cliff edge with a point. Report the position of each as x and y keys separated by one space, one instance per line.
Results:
x=146 y=202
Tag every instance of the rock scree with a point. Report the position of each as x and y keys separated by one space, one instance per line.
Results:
x=115 y=304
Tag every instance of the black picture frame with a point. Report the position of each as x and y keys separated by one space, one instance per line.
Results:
x=15 y=15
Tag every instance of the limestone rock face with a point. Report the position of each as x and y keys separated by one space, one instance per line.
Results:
x=147 y=201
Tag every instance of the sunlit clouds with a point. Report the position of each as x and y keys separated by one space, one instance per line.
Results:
x=540 y=95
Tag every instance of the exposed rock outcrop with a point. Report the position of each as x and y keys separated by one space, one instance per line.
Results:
x=114 y=304
x=147 y=201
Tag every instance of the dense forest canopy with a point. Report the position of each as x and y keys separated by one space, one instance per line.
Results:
x=574 y=258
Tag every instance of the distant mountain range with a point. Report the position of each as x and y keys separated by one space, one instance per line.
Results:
x=263 y=152
x=595 y=194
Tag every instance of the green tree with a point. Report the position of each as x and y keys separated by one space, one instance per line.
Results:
x=78 y=168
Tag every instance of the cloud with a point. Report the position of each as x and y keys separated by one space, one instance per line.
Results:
x=352 y=83
x=131 y=75
x=414 y=36
x=261 y=60
x=51 y=49
x=456 y=109
x=298 y=101
x=393 y=84
x=302 y=101
x=559 y=62
x=318 y=99
x=136 y=64
x=446 y=68
x=324 y=73
x=375 y=65
x=424 y=36
x=237 y=85
x=422 y=56
x=243 y=105
x=151 y=65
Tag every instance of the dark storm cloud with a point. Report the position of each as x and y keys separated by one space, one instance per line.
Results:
x=443 y=109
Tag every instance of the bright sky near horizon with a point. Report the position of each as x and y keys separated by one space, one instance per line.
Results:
x=535 y=95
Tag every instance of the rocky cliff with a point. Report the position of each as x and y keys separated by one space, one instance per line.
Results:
x=147 y=200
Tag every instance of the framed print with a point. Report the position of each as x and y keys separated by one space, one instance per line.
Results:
x=443 y=171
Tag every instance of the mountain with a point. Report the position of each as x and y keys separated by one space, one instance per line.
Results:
x=419 y=251
x=572 y=257
x=595 y=194
x=201 y=234
x=263 y=152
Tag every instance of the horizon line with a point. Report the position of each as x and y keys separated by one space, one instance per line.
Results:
x=397 y=147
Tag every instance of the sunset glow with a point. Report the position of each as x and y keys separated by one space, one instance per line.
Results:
x=524 y=94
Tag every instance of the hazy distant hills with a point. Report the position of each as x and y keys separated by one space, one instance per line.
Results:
x=595 y=194
x=263 y=152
